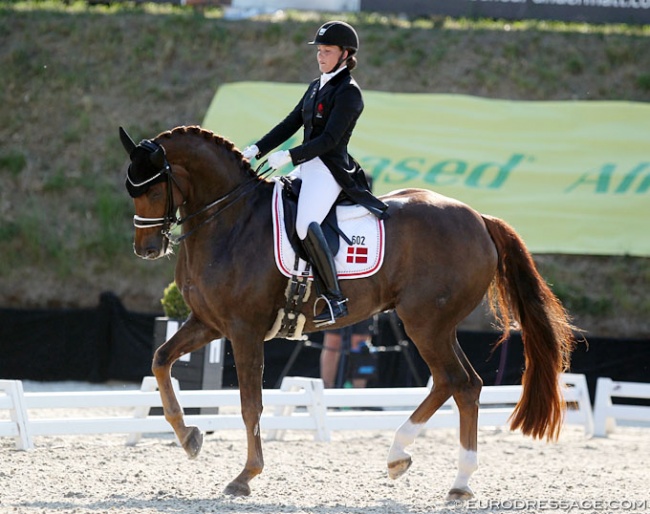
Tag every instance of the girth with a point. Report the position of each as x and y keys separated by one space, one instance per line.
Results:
x=290 y=321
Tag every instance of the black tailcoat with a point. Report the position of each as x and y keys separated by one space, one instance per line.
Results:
x=328 y=117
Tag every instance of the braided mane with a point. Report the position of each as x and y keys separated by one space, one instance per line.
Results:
x=209 y=136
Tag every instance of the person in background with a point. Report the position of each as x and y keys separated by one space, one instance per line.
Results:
x=360 y=334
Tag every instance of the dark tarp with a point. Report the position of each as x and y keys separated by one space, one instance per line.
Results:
x=94 y=344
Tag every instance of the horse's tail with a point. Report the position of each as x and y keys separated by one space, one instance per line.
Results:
x=518 y=291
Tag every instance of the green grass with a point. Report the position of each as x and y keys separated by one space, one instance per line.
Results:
x=8 y=231
x=30 y=239
x=12 y=162
x=643 y=81
x=57 y=182
x=579 y=302
x=111 y=209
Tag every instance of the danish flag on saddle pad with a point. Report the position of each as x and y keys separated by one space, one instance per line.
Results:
x=357 y=255
x=362 y=258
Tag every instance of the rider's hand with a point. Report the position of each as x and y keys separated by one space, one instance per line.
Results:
x=279 y=159
x=250 y=152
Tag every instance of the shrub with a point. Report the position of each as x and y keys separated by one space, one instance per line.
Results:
x=173 y=304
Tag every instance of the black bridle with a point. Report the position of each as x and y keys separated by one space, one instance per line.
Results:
x=170 y=221
x=169 y=218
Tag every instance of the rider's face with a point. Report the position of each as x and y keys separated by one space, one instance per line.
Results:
x=327 y=57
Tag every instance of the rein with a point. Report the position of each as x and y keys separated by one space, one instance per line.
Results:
x=233 y=196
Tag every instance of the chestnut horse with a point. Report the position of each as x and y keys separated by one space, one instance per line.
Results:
x=441 y=259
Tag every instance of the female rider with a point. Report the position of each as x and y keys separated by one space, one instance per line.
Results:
x=327 y=112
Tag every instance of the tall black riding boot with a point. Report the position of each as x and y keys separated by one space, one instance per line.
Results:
x=321 y=258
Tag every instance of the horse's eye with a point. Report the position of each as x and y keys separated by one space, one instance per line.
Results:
x=154 y=193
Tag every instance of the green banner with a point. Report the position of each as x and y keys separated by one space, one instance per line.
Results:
x=571 y=177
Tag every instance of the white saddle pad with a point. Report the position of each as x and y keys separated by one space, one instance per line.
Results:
x=361 y=259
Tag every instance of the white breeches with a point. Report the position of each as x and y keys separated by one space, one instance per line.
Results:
x=318 y=193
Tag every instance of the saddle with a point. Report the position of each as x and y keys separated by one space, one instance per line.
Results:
x=361 y=259
x=290 y=192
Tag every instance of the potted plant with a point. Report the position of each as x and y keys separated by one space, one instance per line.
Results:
x=173 y=303
x=201 y=369
x=176 y=312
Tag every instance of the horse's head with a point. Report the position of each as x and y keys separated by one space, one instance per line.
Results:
x=149 y=181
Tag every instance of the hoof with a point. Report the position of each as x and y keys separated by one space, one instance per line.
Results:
x=193 y=442
x=460 y=495
x=237 y=489
x=397 y=468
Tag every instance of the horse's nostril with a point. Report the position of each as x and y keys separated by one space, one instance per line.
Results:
x=149 y=250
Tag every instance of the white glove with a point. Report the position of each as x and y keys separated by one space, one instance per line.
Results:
x=250 y=152
x=279 y=159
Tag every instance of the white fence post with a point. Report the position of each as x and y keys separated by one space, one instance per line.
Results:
x=314 y=388
x=606 y=412
x=19 y=425
x=576 y=394
x=603 y=424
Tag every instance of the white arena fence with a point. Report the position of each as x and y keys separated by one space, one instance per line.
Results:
x=606 y=412
x=300 y=404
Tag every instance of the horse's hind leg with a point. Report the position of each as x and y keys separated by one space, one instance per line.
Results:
x=399 y=460
x=443 y=363
x=452 y=375
x=467 y=400
x=191 y=336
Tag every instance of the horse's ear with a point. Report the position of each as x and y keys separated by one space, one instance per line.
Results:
x=157 y=158
x=127 y=142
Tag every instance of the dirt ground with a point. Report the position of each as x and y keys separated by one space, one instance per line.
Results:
x=99 y=474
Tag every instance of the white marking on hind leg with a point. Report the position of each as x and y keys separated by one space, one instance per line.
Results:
x=404 y=436
x=467 y=464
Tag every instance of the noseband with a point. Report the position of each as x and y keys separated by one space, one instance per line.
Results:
x=170 y=220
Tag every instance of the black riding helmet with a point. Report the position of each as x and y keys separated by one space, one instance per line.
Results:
x=337 y=33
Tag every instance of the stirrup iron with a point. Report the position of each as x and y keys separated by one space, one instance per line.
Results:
x=328 y=316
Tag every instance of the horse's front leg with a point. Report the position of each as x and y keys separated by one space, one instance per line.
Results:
x=249 y=360
x=191 y=336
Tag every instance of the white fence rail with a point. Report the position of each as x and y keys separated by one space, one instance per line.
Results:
x=606 y=412
x=300 y=404
x=397 y=404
